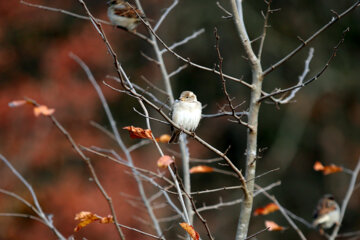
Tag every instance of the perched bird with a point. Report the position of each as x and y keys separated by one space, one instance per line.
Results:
x=124 y=16
x=327 y=213
x=186 y=112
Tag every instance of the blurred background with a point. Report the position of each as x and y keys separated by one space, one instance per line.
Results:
x=322 y=124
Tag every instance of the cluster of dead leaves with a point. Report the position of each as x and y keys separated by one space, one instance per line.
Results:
x=38 y=109
x=86 y=218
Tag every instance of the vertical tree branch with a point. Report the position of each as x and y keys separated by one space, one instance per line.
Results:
x=251 y=149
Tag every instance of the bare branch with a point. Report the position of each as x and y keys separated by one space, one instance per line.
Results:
x=178 y=70
x=312 y=37
x=45 y=219
x=164 y=15
x=118 y=139
x=303 y=84
x=346 y=199
x=228 y=98
x=266 y=19
x=184 y=41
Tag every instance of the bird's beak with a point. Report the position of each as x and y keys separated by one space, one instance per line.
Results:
x=181 y=99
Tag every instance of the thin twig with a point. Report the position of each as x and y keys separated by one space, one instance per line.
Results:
x=184 y=41
x=164 y=15
x=266 y=19
x=223 y=81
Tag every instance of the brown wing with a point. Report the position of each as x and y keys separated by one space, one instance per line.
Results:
x=128 y=12
x=325 y=205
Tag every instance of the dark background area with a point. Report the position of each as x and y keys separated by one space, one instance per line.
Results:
x=323 y=124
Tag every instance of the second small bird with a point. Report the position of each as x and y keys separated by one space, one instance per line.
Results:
x=186 y=112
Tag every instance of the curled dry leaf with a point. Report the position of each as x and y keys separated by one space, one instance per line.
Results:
x=17 y=103
x=165 y=161
x=86 y=218
x=137 y=132
x=43 y=110
x=273 y=226
x=201 y=169
x=190 y=230
x=271 y=207
x=318 y=166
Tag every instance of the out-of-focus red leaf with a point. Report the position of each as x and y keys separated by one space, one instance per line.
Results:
x=17 y=103
x=273 y=226
x=271 y=207
x=86 y=218
x=164 y=161
x=163 y=138
x=201 y=169
x=137 y=132
x=190 y=230
x=44 y=110
x=318 y=166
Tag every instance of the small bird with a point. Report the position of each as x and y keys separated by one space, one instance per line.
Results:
x=124 y=15
x=186 y=112
x=327 y=213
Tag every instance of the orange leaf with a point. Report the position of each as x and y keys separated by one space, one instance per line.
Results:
x=17 y=103
x=86 y=218
x=137 y=132
x=165 y=161
x=163 y=138
x=271 y=207
x=44 y=110
x=190 y=230
x=273 y=226
x=332 y=169
x=201 y=169
x=327 y=169
x=318 y=166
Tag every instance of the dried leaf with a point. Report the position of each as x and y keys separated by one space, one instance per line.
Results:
x=271 y=207
x=163 y=138
x=201 y=169
x=86 y=218
x=318 y=166
x=190 y=230
x=44 y=110
x=327 y=169
x=16 y=103
x=164 y=161
x=137 y=132
x=273 y=226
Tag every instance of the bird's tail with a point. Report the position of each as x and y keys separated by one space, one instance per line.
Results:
x=175 y=136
